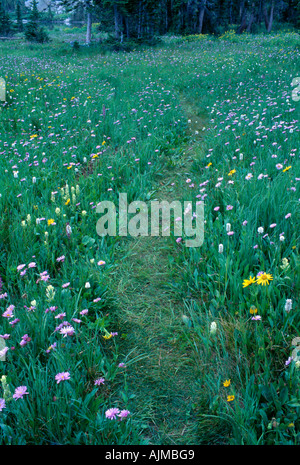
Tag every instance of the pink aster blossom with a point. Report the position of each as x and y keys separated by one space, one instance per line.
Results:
x=124 y=414
x=99 y=381
x=67 y=331
x=84 y=312
x=9 y=312
x=20 y=392
x=112 y=413
x=62 y=376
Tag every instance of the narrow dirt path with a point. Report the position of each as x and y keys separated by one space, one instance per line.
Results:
x=165 y=381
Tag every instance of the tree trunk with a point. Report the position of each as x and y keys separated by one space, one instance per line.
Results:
x=271 y=17
x=201 y=16
x=250 y=23
x=88 y=27
x=116 y=17
x=269 y=21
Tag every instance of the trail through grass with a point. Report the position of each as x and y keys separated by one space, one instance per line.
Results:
x=164 y=381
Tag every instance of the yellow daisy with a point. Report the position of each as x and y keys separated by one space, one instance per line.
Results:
x=249 y=281
x=264 y=279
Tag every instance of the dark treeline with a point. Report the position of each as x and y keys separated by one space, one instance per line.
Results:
x=140 y=19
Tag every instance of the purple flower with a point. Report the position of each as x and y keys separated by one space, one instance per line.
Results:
x=112 y=413
x=67 y=331
x=25 y=340
x=62 y=376
x=14 y=322
x=2 y=404
x=52 y=347
x=99 y=381
x=124 y=414
x=20 y=392
x=288 y=361
x=9 y=312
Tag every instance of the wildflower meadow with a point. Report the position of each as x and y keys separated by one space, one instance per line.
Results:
x=142 y=340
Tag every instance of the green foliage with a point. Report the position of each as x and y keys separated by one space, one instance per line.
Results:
x=33 y=31
x=5 y=22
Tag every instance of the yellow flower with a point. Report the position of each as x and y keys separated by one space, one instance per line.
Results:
x=253 y=310
x=231 y=172
x=230 y=398
x=226 y=383
x=286 y=169
x=107 y=336
x=249 y=281
x=67 y=202
x=104 y=142
x=51 y=221
x=264 y=279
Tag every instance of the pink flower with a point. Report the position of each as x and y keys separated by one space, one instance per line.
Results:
x=124 y=414
x=20 y=392
x=67 y=331
x=2 y=404
x=31 y=265
x=230 y=233
x=62 y=376
x=112 y=413
x=99 y=381
x=273 y=225
x=20 y=267
x=65 y=285
x=9 y=312
x=288 y=216
x=84 y=312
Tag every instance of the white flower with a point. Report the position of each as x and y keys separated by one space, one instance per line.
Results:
x=221 y=248
x=213 y=328
x=87 y=285
x=68 y=230
x=288 y=305
x=228 y=227
x=260 y=230
x=281 y=237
